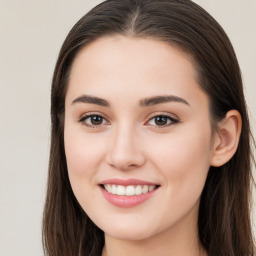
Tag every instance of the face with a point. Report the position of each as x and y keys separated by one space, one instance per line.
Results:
x=137 y=136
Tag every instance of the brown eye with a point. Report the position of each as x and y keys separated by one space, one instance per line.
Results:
x=162 y=120
x=96 y=120
x=93 y=120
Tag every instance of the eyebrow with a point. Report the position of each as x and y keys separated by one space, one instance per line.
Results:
x=143 y=102
x=162 y=99
x=91 y=100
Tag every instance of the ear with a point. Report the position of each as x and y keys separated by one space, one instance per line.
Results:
x=226 y=138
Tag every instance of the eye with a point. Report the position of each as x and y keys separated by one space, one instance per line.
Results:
x=162 y=120
x=93 y=120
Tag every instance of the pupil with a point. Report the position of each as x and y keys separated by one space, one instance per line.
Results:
x=96 y=120
x=161 y=120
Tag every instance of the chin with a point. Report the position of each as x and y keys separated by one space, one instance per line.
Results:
x=128 y=232
x=128 y=235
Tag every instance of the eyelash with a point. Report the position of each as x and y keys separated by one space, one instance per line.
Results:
x=89 y=116
x=171 y=120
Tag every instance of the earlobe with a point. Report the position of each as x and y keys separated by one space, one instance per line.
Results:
x=226 y=138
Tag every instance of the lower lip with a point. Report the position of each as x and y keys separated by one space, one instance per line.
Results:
x=127 y=201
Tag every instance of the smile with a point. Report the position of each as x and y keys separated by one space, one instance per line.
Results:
x=129 y=190
x=127 y=193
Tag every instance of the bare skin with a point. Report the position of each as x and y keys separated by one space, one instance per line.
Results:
x=125 y=133
x=179 y=243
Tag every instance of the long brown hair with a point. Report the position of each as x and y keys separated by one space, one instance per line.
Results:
x=224 y=215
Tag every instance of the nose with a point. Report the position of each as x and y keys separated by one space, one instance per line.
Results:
x=125 y=151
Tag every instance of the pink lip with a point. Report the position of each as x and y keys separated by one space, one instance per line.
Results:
x=127 y=201
x=127 y=182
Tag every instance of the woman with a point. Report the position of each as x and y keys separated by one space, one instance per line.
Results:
x=150 y=150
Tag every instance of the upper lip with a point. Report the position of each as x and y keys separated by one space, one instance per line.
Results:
x=126 y=182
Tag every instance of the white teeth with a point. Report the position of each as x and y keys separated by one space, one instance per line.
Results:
x=108 y=188
x=129 y=190
x=151 y=187
x=113 y=189
x=138 y=190
x=120 y=190
x=145 y=189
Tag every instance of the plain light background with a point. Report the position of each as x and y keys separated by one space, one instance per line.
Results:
x=32 y=32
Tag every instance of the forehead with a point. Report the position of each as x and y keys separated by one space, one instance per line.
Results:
x=145 y=53
x=134 y=67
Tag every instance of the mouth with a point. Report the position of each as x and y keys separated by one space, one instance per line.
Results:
x=127 y=193
x=128 y=190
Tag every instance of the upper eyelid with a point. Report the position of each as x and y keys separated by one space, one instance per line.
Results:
x=84 y=117
x=167 y=114
x=149 y=116
x=173 y=118
x=172 y=121
x=88 y=114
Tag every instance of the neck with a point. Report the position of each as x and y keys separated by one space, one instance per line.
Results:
x=179 y=240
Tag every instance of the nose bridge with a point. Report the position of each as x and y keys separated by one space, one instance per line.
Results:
x=125 y=150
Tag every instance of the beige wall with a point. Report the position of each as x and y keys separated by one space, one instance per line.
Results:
x=31 y=34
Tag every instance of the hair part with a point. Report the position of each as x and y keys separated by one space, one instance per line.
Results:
x=224 y=215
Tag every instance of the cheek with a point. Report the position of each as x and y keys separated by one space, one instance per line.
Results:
x=83 y=153
x=83 y=156
x=184 y=161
